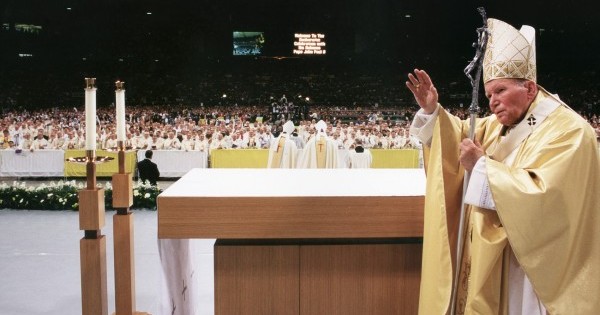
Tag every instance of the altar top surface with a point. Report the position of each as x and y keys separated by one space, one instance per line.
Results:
x=298 y=183
x=293 y=203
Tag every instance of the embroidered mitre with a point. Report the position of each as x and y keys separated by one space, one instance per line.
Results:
x=510 y=53
x=321 y=126
x=289 y=127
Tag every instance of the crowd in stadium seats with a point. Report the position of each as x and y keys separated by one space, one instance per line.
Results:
x=202 y=129
x=242 y=109
x=208 y=128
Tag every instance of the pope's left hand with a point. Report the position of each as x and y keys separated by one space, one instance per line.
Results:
x=470 y=152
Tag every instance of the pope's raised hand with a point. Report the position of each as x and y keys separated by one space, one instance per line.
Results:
x=423 y=90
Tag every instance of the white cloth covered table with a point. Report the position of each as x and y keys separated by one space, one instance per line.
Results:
x=39 y=163
x=175 y=163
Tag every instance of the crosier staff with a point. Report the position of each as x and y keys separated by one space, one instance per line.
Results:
x=475 y=65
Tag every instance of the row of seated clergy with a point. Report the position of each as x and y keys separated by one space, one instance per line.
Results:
x=25 y=142
x=319 y=152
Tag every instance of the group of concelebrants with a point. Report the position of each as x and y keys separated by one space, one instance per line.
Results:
x=320 y=151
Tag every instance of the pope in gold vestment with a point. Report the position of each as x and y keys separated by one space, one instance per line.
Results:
x=541 y=169
x=548 y=213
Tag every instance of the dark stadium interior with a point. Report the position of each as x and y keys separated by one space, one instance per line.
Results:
x=179 y=52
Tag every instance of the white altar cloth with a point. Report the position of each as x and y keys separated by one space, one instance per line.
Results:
x=298 y=183
x=39 y=163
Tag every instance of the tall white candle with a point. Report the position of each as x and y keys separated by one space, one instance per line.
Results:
x=90 y=114
x=120 y=104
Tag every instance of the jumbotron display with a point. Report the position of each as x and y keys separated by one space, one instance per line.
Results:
x=309 y=44
x=248 y=43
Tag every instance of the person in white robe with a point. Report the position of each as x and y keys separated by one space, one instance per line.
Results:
x=157 y=142
x=320 y=151
x=40 y=143
x=297 y=140
x=171 y=142
x=58 y=142
x=26 y=142
x=71 y=143
x=283 y=150
x=111 y=142
x=237 y=141
x=130 y=141
x=145 y=142
x=200 y=143
x=187 y=144
x=359 y=157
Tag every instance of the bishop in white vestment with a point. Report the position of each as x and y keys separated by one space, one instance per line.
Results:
x=283 y=151
x=320 y=151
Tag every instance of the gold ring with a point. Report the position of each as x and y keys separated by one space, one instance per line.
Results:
x=417 y=86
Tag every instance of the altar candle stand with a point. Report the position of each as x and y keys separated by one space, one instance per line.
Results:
x=123 y=222
x=91 y=220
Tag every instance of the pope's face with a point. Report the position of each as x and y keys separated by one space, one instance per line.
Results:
x=510 y=99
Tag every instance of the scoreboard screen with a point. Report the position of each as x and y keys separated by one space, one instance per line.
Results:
x=248 y=43
x=309 y=44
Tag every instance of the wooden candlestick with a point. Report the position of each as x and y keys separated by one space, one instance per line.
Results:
x=123 y=239
x=93 y=245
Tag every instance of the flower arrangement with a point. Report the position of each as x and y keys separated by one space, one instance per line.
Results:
x=63 y=195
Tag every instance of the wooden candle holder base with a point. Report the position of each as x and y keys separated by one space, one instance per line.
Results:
x=93 y=275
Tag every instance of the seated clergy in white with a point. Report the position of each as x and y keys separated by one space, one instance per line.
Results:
x=283 y=150
x=320 y=151
x=360 y=157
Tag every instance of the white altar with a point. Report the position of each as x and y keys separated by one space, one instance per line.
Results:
x=282 y=204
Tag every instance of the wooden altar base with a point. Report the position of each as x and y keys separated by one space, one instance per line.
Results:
x=314 y=277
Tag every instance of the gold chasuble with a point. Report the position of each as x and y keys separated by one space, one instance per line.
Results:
x=278 y=153
x=321 y=152
x=547 y=213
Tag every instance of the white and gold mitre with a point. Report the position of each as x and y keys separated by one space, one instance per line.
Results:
x=321 y=126
x=510 y=53
x=289 y=127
